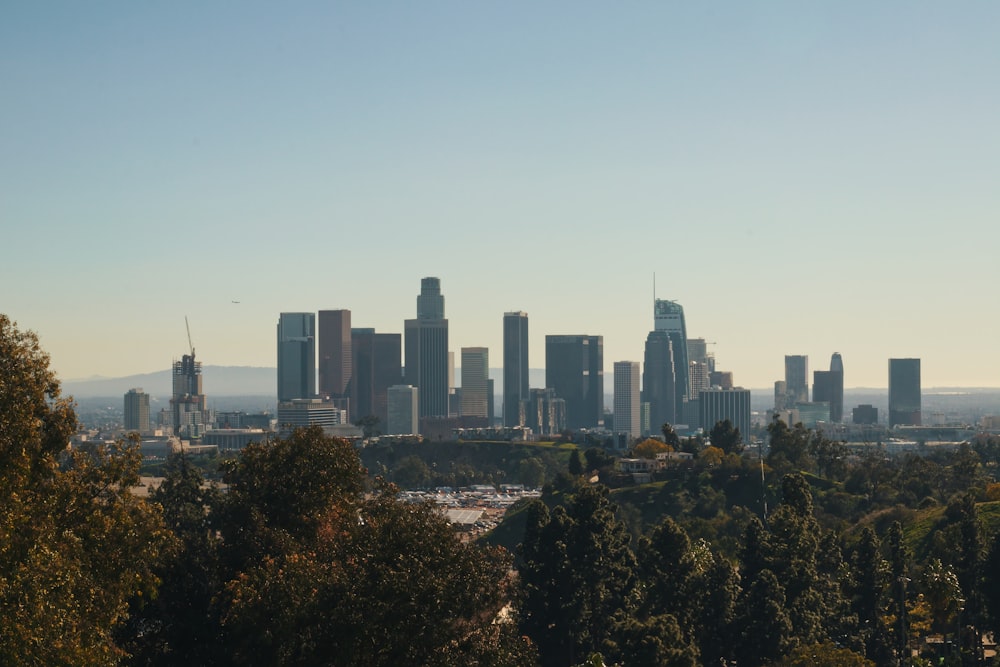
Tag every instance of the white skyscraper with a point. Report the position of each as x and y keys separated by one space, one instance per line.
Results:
x=627 y=407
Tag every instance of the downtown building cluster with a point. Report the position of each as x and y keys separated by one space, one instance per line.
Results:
x=406 y=383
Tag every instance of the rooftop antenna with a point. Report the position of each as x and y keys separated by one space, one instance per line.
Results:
x=190 y=344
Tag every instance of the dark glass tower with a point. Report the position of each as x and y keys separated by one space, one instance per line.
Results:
x=515 y=366
x=668 y=316
x=796 y=378
x=336 y=362
x=574 y=368
x=658 y=380
x=296 y=356
x=377 y=366
x=904 y=392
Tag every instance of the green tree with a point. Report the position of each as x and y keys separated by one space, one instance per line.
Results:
x=575 y=464
x=531 y=472
x=826 y=654
x=765 y=629
x=726 y=437
x=789 y=447
x=75 y=543
x=871 y=576
x=670 y=436
x=577 y=576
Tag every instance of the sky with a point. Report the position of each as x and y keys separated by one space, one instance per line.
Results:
x=804 y=178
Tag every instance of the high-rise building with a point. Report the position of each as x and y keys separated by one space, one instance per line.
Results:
x=781 y=401
x=574 y=368
x=797 y=378
x=188 y=405
x=904 y=392
x=721 y=379
x=475 y=381
x=137 y=411
x=426 y=351
x=515 y=365
x=543 y=412
x=658 y=381
x=403 y=404
x=698 y=377
x=836 y=388
x=377 y=365
x=864 y=414
x=626 y=397
x=336 y=361
x=668 y=316
x=716 y=405
x=296 y=356
x=303 y=412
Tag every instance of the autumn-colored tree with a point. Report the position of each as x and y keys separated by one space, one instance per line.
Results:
x=75 y=543
x=649 y=448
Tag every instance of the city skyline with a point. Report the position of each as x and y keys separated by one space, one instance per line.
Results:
x=740 y=152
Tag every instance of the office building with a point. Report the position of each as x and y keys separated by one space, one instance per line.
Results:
x=780 y=395
x=626 y=397
x=336 y=360
x=698 y=377
x=426 y=351
x=658 y=381
x=574 y=368
x=475 y=382
x=721 y=379
x=515 y=365
x=796 y=378
x=404 y=408
x=668 y=316
x=813 y=412
x=836 y=388
x=303 y=412
x=377 y=365
x=543 y=412
x=296 y=356
x=864 y=414
x=904 y=392
x=716 y=405
x=137 y=411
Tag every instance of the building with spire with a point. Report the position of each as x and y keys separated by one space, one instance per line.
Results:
x=426 y=350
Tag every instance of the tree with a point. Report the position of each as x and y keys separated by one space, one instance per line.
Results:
x=789 y=447
x=649 y=448
x=576 y=578
x=369 y=425
x=531 y=472
x=670 y=436
x=726 y=437
x=765 y=628
x=825 y=654
x=575 y=464
x=75 y=543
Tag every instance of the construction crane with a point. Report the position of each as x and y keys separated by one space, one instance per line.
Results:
x=190 y=344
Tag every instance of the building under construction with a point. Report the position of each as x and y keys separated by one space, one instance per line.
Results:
x=188 y=404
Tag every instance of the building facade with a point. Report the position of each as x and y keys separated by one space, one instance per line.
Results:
x=904 y=392
x=137 y=411
x=716 y=405
x=377 y=365
x=668 y=316
x=188 y=405
x=796 y=378
x=659 y=383
x=574 y=368
x=475 y=382
x=404 y=408
x=296 y=356
x=336 y=360
x=426 y=351
x=626 y=398
x=515 y=365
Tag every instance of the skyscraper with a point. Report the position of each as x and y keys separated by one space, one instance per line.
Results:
x=668 y=316
x=904 y=392
x=574 y=368
x=837 y=388
x=626 y=398
x=403 y=404
x=336 y=361
x=475 y=381
x=426 y=350
x=658 y=380
x=515 y=365
x=716 y=405
x=377 y=365
x=796 y=378
x=137 y=411
x=296 y=356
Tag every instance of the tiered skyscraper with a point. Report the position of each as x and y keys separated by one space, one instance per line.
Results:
x=904 y=392
x=515 y=366
x=296 y=356
x=426 y=350
x=668 y=316
x=574 y=368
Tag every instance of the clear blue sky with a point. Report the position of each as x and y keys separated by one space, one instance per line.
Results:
x=804 y=178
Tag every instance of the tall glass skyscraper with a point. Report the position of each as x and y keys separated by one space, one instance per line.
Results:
x=904 y=392
x=515 y=366
x=296 y=356
x=668 y=316
x=426 y=350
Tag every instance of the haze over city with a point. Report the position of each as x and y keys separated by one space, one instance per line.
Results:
x=802 y=179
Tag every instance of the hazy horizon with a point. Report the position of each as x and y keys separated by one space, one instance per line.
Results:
x=803 y=179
